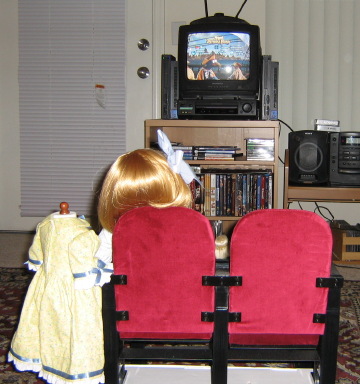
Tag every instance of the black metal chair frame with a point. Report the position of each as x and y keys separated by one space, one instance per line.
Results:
x=322 y=358
x=217 y=352
x=119 y=351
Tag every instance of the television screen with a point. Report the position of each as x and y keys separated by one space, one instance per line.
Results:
x=218 y=56
x=219 y=68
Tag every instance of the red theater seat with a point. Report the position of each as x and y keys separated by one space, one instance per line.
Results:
x=288 y=301
x=163 y=310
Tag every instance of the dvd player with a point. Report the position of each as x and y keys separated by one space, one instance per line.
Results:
x=222 y=109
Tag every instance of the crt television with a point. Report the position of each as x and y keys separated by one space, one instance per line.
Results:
x=219 y=57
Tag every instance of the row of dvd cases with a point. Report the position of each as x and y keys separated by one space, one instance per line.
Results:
x=232 y=193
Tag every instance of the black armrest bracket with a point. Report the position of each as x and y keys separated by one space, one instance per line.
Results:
x=210 y=317
x=222 y=281
x=119 y=279
x=329 y=282
x=319 y=318
x=122 y=315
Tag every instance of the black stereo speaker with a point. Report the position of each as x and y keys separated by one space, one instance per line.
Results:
x=308 y=157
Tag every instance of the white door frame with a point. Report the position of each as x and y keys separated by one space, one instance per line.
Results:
x=145 y=20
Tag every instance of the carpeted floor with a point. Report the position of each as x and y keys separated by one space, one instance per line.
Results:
x=14 y=248
x=14 y=282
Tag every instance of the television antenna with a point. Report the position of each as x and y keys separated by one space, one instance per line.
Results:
x=243 y=4
x=237 y=15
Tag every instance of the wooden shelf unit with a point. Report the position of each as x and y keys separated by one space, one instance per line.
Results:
x=310 y=193
x=219 y=132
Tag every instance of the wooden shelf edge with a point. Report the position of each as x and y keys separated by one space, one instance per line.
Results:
x=224 y=218
x=304 y=193
x=212 y=123
x=252 y=163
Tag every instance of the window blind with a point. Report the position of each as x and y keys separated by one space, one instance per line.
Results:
x=72 y=100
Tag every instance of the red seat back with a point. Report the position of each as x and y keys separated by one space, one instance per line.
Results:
x=279 y=253
x=164 y=253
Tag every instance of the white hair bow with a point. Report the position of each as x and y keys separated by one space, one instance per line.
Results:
x=175 y=159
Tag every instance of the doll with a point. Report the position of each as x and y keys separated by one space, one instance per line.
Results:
x=143 y=177
x=221 y=247
x=60 y=331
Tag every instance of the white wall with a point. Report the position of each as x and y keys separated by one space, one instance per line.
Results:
x=278 y=32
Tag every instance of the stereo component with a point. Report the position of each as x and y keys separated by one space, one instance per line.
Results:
x=308 y=157
x=344 y=159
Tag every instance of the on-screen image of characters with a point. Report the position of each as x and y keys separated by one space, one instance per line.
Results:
x=206 y=72
x=237 y=73
x=190 y=73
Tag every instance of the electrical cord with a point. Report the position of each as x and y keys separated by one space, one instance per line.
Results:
x=287 y=125
x=319 y=208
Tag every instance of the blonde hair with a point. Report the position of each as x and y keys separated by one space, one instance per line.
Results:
x=140 y=178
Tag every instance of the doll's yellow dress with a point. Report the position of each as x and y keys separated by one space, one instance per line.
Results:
x=60 y=333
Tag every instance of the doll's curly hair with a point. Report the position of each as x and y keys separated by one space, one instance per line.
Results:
x=140 y=178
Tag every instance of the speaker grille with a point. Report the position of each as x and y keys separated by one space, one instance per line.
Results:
x=308 y=157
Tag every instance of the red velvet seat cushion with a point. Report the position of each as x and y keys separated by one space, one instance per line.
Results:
x=279 y=253
x=164 y=253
